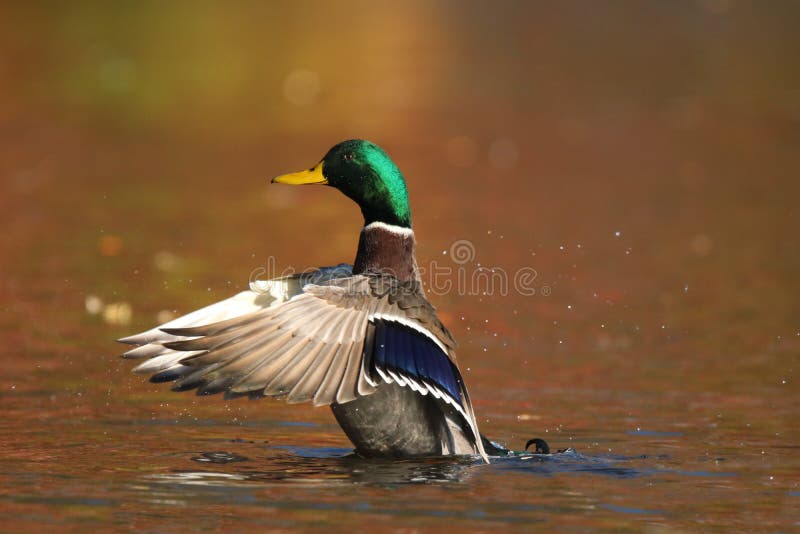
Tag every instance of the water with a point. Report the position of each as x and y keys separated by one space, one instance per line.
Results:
x=616 y=254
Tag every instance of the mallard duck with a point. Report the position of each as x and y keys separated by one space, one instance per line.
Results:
x=362 y=339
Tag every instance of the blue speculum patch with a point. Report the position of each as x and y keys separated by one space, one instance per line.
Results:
x=405 y=351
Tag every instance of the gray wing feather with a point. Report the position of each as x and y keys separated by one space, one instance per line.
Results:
x=329 y=386
x=314 y=346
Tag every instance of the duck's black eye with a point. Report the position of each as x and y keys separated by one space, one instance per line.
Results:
x=348 y=156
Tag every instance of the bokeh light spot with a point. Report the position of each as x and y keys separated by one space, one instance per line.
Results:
x=118 y=313
x=165 y=316
x=503 y=153
x=110 y=245
x=702 y=244
x=301 y=87
x=94 y=304
x=166 y=261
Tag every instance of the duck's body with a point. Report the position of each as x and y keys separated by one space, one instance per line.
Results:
x=398 y=422
x=361 y=339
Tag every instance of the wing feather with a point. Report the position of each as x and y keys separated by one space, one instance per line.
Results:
x=326 y=393
x=349 y=382
x=162 y=362
x=308 y=385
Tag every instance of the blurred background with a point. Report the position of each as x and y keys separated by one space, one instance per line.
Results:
x=640 y=157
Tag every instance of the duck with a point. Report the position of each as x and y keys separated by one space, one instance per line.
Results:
x=362 y=339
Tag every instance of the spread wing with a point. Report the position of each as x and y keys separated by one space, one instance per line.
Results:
x=332 y=342
x=163 y=361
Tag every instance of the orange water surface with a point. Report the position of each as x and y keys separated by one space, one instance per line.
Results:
x=607 y=193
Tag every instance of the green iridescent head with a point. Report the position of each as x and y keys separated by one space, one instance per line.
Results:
x=365 y=173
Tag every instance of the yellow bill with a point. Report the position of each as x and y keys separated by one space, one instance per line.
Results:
x=311 y=176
